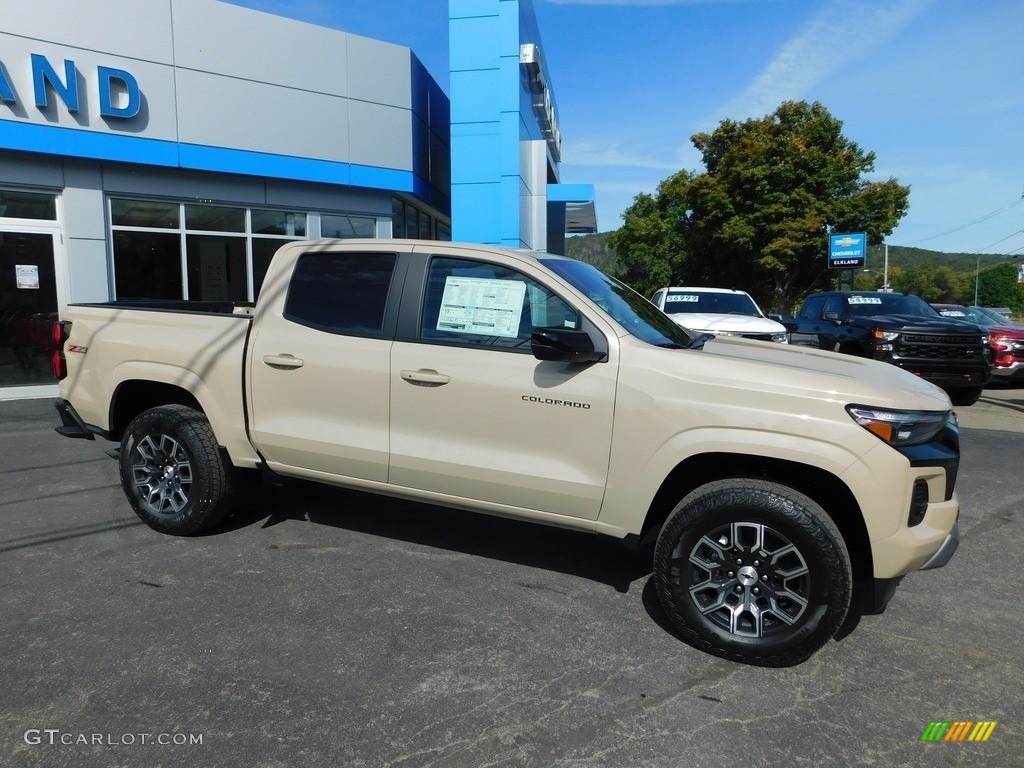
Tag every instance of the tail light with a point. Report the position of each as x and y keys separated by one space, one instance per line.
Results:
x=61 y=332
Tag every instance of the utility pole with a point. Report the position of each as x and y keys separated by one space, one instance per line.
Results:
x=885 y=272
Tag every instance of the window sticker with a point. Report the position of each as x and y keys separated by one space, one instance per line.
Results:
x=864 y=300
x=952 y=313
x=27 y=276
x=480 y=305
x=688 y=297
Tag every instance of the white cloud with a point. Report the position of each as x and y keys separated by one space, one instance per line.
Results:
x=841 y=32
x=607 y=154
x=643 y=2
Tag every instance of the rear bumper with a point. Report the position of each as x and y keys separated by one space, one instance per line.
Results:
x=72 y=424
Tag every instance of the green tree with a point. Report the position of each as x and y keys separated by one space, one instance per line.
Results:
x=998 y=287
x=758 y=218
x=936 y=284
x=651 y=245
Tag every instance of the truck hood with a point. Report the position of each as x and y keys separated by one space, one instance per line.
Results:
x=918 y=323
x=719 y=323
x=798 y=370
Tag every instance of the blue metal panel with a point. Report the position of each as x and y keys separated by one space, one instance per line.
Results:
x=570 y=193
x=478 y=209
x=461 y=9
x=475 y=96
x=473 y=46
x=477 y=158
x=55 y=140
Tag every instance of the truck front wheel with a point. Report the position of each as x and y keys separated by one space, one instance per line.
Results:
x=753 y=571
x=172 y=471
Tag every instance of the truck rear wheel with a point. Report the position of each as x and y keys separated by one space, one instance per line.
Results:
x=172 y=471
x=753 y=571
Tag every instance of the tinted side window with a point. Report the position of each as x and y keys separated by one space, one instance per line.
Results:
x=836 y=304
x=341 y=293
x=481 y=304
x=812 y=308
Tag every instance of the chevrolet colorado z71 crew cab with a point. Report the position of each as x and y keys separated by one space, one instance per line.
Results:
x=779 y=486
x=900 y=329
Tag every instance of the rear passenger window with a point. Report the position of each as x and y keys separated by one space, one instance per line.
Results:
x=481 y=304
x=341 y=292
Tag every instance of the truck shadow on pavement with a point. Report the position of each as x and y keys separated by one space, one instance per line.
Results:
x=589 y=556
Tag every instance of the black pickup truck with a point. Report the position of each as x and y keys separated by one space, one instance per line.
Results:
x=900 y=329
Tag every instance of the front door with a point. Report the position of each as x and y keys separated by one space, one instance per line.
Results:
x=475 y=415
x=28 y=306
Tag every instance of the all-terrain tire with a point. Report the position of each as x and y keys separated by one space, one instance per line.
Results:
x=172 y=471
x=753 y=571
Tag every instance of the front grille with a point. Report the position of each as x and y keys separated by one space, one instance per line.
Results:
x=924 y=346
x=758 y=336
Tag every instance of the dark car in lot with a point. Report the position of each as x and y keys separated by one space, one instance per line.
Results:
x=1005 y=338
x=900 y=329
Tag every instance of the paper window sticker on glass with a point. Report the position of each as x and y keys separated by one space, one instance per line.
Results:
x=481 y=306
x=27 y=276
x=864 y=300
x=688 y=297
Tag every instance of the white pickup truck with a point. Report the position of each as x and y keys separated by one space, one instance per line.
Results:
x=781 y=487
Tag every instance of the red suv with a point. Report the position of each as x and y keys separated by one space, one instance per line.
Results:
x=1006 y=339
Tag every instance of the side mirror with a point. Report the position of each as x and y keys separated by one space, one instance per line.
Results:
x=564 y=346
x=833 y=316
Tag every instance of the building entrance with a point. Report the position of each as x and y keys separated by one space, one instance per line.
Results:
x=28 y=308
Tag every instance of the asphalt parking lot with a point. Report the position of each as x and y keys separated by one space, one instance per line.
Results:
x=325 y=627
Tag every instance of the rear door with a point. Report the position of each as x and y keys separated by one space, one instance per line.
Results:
x=320 y=365
x=475 y=415
x=810 y=323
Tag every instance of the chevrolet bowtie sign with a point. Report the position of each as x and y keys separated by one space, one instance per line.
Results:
x=847 y=251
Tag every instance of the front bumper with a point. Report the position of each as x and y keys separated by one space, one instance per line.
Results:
x=946 y=551
x=1009 y=372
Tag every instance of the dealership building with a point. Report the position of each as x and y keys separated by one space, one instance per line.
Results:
x=164 y=149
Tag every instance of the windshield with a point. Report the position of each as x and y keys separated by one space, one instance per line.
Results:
x=710 y=302
x=889 y=304
x=627 y=307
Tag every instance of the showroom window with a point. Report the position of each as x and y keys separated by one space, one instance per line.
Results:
x=15 y=204
x=198 y=252
x=409 y=221
x=347 y=226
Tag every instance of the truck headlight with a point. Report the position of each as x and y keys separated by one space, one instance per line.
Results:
x=781 y=338
x=886 y=335
x=899 y=428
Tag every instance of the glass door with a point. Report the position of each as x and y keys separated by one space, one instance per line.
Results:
x=28 y=307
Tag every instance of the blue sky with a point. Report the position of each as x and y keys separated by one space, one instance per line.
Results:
x=934 y=87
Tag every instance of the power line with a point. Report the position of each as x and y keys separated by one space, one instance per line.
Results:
x=986 y=217
x=1003 y=240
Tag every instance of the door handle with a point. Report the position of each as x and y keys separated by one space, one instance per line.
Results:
x=283 y=361
x=425 y=377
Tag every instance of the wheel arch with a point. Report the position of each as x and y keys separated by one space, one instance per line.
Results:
x=134 y=396
x=824 y=488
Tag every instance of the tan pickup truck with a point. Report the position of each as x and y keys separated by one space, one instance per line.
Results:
x=779 y=487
